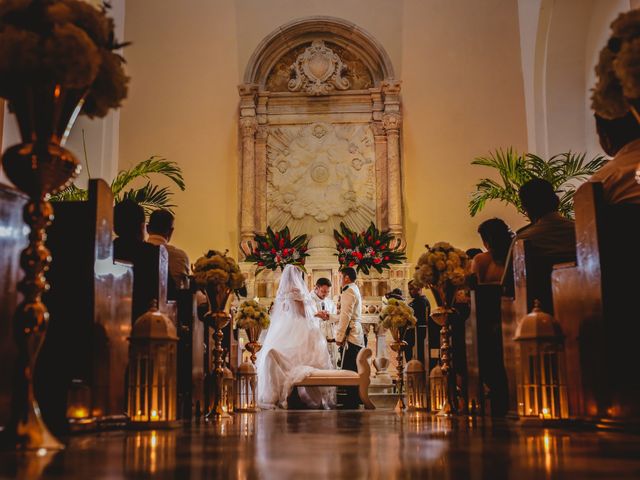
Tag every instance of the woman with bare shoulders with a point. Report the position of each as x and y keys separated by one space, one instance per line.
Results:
x=497 y=237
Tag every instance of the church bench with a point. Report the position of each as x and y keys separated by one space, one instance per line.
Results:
x=13 y=239
x=345 y=378
x=595 y=301
x=90 y=310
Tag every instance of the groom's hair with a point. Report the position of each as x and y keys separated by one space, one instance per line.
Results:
x=323 y=282
x=350 y=272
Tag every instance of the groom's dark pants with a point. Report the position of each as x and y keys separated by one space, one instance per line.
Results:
x=352 y=400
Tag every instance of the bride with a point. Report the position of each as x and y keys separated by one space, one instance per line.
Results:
x=293 y=347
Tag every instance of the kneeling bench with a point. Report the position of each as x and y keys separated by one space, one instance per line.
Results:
x=345 y=378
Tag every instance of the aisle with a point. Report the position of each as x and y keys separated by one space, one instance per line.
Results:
x=309 y=445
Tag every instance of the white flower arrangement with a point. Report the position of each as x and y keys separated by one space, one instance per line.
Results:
x=397 y=314
x=251 y=314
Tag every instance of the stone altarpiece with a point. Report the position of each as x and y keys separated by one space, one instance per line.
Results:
x=320 y=123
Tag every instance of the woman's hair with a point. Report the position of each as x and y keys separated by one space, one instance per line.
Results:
x=498 y=236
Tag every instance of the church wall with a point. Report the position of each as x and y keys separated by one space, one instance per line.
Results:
x=462 y=96
x=183 y=105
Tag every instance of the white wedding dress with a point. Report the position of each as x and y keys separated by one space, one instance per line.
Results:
x=293 y=347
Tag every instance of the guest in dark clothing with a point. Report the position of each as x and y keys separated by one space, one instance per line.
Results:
x=128 y=224
x=551 y=238
x=418 y=335
x=472 y=252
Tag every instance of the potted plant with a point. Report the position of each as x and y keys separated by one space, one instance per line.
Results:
x=369 y=250
x=276 y=249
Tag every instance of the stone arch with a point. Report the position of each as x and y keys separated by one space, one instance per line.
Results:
x=294 y=34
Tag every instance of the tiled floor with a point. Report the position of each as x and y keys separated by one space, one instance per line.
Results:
x=338 y=444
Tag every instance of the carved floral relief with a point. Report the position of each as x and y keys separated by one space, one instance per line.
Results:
x=320 y=174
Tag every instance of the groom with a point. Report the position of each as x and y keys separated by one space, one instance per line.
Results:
x=349 y=334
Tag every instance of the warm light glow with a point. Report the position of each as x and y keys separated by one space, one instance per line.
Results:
x=56 y=91
x=154 y=415
x=77 y=412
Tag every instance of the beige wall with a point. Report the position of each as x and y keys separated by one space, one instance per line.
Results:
x=183 y=105
x=462 y=92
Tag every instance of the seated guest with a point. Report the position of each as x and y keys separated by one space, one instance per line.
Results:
x=472 y=252
x=551 y=239
x=160 y=229
x=620 y=139
x=416 y=336
x=497 y=237
x=128 y=224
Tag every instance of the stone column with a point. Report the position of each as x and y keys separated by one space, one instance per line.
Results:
x=382 y=190
x=248 y=126
x=261 y=179
x=391 y=121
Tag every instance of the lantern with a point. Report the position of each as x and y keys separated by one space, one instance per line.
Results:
x=542 y=391
x=437 y=389
x=246 y=388
x=416 y=386
x=152 y=392
x=79 y=405
x=228 y=396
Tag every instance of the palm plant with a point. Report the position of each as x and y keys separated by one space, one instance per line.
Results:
x=150 y=196
x=564 y=171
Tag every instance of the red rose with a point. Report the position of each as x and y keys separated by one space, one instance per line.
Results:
x=358 y=255
x=347 y=243
x=265 y=245
x=383 y=247
x=274 y=251
x=386 y=258
x=351 y=264
x=285 y=252
x=377 y=242
x=282 y=243
x=261 y=264
x=376 y=261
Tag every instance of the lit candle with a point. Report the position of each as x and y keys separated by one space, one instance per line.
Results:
x=154 y=415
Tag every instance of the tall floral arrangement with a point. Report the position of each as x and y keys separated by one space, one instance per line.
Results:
x=67 y=43
x=218 y=275
x=443 y=268
x=397 y=314
x=251 y=314
x=276 y=249
x=369 y=250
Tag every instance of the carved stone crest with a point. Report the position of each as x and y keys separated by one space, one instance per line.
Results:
x=318 y=71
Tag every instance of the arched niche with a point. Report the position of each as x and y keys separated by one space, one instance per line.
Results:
x=320 y=123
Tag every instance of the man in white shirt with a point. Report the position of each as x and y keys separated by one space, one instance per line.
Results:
x=620 y=139
x=160 y=230
x=349 y=333
x=321 y=295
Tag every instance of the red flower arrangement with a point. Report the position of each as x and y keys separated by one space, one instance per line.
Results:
x=277 y=249
x=371 y=249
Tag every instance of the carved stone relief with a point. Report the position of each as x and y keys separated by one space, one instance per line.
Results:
x=319 y=175
x=304 y=67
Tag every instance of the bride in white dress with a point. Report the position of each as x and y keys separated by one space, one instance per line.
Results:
x=293 y=347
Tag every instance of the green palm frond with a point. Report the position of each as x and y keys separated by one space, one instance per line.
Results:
x=150 y=196
x=71 y=194
x=564 y=171
x=151 y=165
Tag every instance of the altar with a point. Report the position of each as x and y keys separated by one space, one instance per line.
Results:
x=320 y=123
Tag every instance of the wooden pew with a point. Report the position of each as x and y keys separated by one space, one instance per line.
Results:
x=595 y=303
x=90 y=306
x=485 y=352
x=13 y=239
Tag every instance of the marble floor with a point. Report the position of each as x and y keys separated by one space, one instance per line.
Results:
x=338 y=444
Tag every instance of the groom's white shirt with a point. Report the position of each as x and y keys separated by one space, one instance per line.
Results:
x=350 y=316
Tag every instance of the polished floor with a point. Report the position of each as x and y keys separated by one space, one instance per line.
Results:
x=338 y=444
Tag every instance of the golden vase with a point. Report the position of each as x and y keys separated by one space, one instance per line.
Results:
x=39 y=166
x=398 y=346
x=253 y=346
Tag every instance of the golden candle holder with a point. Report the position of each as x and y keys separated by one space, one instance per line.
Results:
x=218 y=320
x=253 y=346
x=39 y=166
x=440 y=315
x=398 y=345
